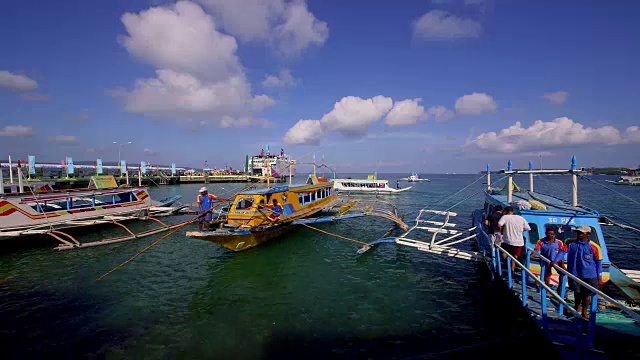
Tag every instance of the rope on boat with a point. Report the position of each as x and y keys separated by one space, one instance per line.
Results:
x=333 y=234
x=459 y=191
x=629 y=226
x=154 y=244
x=610 y=189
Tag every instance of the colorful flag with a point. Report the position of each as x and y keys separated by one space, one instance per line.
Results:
x=99 y=165
x=70 y=168
x=32 y=164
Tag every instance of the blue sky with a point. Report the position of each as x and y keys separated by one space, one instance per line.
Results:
x=392 y=86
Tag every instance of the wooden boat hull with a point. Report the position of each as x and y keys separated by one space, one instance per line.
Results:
x=239 y=240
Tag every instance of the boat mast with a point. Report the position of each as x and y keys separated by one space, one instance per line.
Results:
x=574 y=166
x=314 y=164
x=20 y=187
x=488 y=178
x=10 y=171
x=1 y=180
x=322 y=165
x=510 y=182
x=268 y=173
x=531 y=176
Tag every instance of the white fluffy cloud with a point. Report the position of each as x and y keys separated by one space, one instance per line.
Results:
x=16 y=130
x=182 y=38
x=557 y=97
x=288 y=26
x=184 y=96
x=558 y=133
x=199 y=75
x=353 y=115
x=304 y=132
x=474 y=104
x=441 y=113
x=441 y=25
x=63 y=139
x=284 y=79
x=16 y=82
x=406 y=112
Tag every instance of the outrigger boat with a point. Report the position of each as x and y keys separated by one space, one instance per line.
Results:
x=615 y=308
x=249 y=221
x=44 y=211
x=414 y=178
x=371 y=185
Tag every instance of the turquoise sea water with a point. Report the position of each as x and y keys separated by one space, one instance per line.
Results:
x=304 y=295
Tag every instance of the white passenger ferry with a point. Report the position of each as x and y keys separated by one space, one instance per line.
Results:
x=371 y=185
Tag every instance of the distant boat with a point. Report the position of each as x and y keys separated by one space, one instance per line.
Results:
x=415 y=178
x=626 y=180
x=371 y=185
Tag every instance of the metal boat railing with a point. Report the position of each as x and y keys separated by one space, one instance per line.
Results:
x=582 y=343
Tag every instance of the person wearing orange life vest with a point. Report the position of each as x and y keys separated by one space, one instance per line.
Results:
x=205 y=202
x=584 y=260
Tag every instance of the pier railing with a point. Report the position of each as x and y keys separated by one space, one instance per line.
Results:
x=582 y=342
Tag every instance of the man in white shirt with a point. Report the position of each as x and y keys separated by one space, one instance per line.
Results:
x=512 y=227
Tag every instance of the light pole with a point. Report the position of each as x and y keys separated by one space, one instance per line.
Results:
x=119 y=149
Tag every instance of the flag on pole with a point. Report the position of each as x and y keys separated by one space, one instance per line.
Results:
x=32 y=165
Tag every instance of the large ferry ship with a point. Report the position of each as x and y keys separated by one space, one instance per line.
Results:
x=281 y=164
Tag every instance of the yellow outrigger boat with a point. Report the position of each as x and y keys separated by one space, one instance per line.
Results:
x=250 y=221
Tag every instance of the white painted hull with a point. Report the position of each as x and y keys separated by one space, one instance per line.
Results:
x=25 y=214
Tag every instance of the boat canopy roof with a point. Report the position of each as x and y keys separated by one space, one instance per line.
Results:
x=275 y=189
x=553 y=204
x=312 y=180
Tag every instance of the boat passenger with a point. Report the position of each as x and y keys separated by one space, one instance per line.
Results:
x=397 y=184
x=205 y=202
x=584 y=261
x=491 y=222
x=276 y=210
x=512 y=227
x=549 y=247
x=261 y=152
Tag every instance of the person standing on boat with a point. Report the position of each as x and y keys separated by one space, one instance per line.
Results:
x=205 y=202
x=584 y=261
x=491 y=222
x=512 y=227
x=549 y=247
x=261 y=153
x=398 y=184
x=276 y=210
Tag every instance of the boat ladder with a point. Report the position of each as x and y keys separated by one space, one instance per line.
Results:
x=427 y=228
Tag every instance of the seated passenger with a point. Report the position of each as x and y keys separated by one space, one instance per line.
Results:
x=276 y=210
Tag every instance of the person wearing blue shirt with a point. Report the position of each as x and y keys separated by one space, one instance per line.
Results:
x=276 y=210
x=205 y=203
x=584 y=261
x=549 y=247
